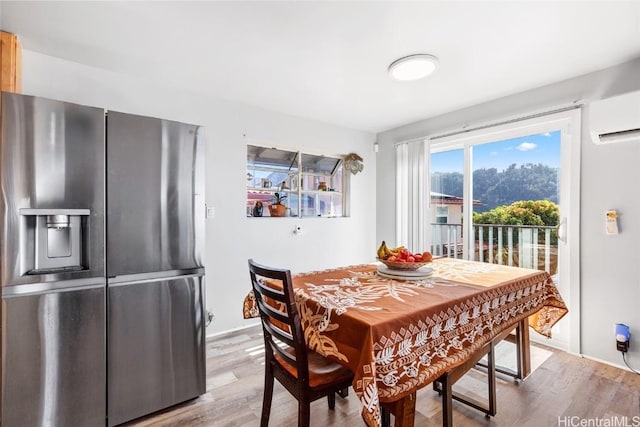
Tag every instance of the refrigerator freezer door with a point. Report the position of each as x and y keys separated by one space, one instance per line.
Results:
x=53 y=363
x=51 y=159
x=156 y=355
x=154 y=195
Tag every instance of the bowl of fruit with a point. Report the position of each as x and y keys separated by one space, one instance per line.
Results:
x=401 y=258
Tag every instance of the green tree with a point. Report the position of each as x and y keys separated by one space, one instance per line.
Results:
x=522 y=212
x=545 y=210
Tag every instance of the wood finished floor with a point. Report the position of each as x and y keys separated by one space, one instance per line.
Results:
x=562 y=385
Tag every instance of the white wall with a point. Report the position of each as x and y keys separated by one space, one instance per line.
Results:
x=610 y=177
x=231 y=237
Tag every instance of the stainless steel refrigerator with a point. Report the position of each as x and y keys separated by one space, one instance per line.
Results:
x=101 y=227
x=155 y=230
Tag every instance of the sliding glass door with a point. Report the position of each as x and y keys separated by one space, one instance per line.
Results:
x=510 y=195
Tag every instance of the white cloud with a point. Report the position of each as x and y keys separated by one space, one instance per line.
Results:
x=493 y=153
x=547 y=134
x=526 y=146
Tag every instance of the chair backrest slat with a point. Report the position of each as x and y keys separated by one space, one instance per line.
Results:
x=278 y=332
x=272 y=311
x=275 y=294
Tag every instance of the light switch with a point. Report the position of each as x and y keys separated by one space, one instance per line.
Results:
x=211 y=212
x=612 y=222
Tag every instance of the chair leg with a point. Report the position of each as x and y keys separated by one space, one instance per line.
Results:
x=491 y=380
x=447 y=401
x=436 y=387
x=331 y=398
x=518 y=353
x=525 y=351
x=267 y=397
x=386 y=416
x=304 y=413
x=343 y=392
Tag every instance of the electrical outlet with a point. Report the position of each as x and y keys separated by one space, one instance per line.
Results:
x=622 y=337
x=210 y=317
x=622 y=346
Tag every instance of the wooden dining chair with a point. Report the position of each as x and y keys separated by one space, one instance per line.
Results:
x=307 y=375
x=521 y=345
x=444 y=384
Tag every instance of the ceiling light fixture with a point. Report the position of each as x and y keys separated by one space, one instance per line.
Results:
x=413 y=67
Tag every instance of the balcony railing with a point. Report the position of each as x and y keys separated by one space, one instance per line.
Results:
x=515 y=245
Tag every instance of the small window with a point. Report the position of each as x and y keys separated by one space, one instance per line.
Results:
x=294 y=184
x=442 y=214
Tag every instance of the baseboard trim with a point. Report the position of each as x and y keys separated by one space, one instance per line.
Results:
x=606 y=362
x=231 y=331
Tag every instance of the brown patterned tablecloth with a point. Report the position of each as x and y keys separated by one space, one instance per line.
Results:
x=398 y=336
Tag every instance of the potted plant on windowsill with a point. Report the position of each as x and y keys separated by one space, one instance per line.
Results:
x=277 y=208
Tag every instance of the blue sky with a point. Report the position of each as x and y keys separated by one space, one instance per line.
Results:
x=542 y=148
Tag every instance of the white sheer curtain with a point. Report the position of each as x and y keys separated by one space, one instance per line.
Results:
x=412 y=195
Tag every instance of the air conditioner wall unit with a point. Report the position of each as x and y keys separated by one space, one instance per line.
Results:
x=616 y=119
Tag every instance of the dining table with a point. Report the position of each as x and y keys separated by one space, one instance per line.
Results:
x=401 y=331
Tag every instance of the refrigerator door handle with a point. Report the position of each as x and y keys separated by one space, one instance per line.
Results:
x=50 y=287
x=131 y=279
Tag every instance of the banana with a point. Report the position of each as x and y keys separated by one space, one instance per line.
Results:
x=393 y=252
x=381 y=251
x=385 y=252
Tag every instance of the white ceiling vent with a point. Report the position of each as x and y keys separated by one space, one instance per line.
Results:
x=616 y=119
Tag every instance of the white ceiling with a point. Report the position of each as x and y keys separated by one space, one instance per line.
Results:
x=328 y=60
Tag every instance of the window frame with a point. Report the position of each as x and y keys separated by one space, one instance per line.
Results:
x=306 y=197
